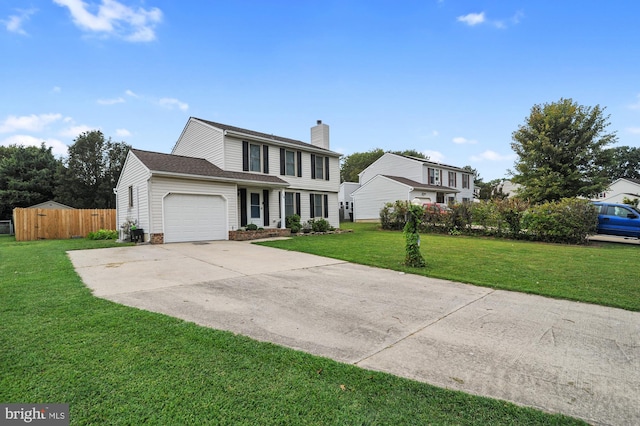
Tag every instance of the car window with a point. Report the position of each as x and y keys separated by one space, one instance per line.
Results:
x=621 y=211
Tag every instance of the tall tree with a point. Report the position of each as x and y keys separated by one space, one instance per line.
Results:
x=353 y=164
x=624 y=163
x=90 y=172
x=562 y=151
x=26 y=177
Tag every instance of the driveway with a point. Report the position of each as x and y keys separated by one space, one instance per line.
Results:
x=578 y=359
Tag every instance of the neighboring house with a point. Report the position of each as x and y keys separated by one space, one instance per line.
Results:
x=397 y=177
x=508 y=188
x=619 y=190
x=50 y=205
x=219 y=178
x=346 y=200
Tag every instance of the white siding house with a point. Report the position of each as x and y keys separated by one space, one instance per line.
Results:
x=220 y=178
x=346 y=200
x=619 y=190
x=396 y=177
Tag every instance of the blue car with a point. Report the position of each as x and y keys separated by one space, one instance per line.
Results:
x=618 y=219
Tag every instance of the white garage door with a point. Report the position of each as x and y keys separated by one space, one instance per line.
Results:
x=189 y=217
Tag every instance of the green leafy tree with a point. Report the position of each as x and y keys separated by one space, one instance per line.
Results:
x=26 y=177
x=624 y=162
x=89 y=174
x=353 y=164
x=562 y=151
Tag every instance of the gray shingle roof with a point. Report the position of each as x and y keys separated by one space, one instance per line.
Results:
x=418 y=185
x=169 y=163
x=263 y=135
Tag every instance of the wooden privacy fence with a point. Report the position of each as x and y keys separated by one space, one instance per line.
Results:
x=58 y=224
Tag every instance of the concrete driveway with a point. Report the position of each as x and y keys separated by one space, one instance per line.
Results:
x=578 y=359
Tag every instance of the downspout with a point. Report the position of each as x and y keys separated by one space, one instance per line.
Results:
x=283 y=221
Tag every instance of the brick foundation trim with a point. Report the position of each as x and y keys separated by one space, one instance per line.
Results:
x=157 y=238
x=255 y=235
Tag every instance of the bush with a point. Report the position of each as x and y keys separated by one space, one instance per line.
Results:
x=320 y=225
x=293 y=222
x=251 y=227
x=103 y=234
x=569 y=220
x=393 y=216
x=128 y=225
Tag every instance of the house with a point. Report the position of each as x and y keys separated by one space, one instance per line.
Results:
x=219 y=178
x=397 y=177
x=346 y=200
x=619 y=190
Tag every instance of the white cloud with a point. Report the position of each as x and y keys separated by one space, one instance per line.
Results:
x=75 y=131
x=122 y=133
x=32 y=123
x=634 y=130
x=15 y=22
x=489 y=155
x=461 y=141
x=637 y=104
x=472 y=19
x=111 y=101
x=131 y=93
x=56 y=89
x=59 y=149
x=114 y=18
x=435 y=156
x=171 y=103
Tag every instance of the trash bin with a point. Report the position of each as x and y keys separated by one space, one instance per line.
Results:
x=137 y=235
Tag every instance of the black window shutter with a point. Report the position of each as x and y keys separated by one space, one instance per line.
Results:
x=265 y=159
x=326 y=168
x=282 y=161
x=245 y=156
x=298 y=203
x=265 y=201
x=313 y=166
x=299 y=163
x=311 y=204
x=243 y=207
x=326 y=205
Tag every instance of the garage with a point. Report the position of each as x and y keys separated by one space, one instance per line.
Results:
x=193 y=217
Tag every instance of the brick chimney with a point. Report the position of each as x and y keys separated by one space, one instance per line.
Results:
x=320 y=135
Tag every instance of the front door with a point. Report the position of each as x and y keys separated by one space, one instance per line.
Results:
x=255 y=209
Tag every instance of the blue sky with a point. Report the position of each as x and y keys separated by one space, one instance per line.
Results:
x=449 y=78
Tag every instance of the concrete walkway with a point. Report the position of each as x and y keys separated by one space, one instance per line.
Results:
x=578 y=359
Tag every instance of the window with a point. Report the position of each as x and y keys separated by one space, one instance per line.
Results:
x=290 y=163
x=319 y=167
x=465 y=180
x=434 y=176
x=453 y=179
x=288 y=204
x=319 y=205
x=254 y=158
x=130 y=196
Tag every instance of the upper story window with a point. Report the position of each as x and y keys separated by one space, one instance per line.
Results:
x=255 y=157
x=453 y=181
x=290 y=163
x=465 y=181
x=319 y=167
x=434 y=176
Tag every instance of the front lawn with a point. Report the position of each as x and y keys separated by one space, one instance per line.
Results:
x=119 y=365
x=603 y=273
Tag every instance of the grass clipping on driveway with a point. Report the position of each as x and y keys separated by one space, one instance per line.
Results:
x=603 y=273
x=118 y=365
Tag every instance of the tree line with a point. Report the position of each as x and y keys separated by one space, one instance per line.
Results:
x=84 y=179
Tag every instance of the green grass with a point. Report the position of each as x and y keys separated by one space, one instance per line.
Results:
x=603 y=273
x=119 y=365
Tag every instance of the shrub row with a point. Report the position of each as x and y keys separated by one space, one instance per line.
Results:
x=568 y=221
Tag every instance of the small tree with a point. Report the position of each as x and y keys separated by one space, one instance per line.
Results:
x=414 y=257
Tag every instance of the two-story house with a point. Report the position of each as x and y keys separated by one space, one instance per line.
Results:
x=219 y=178
x=397 y=177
